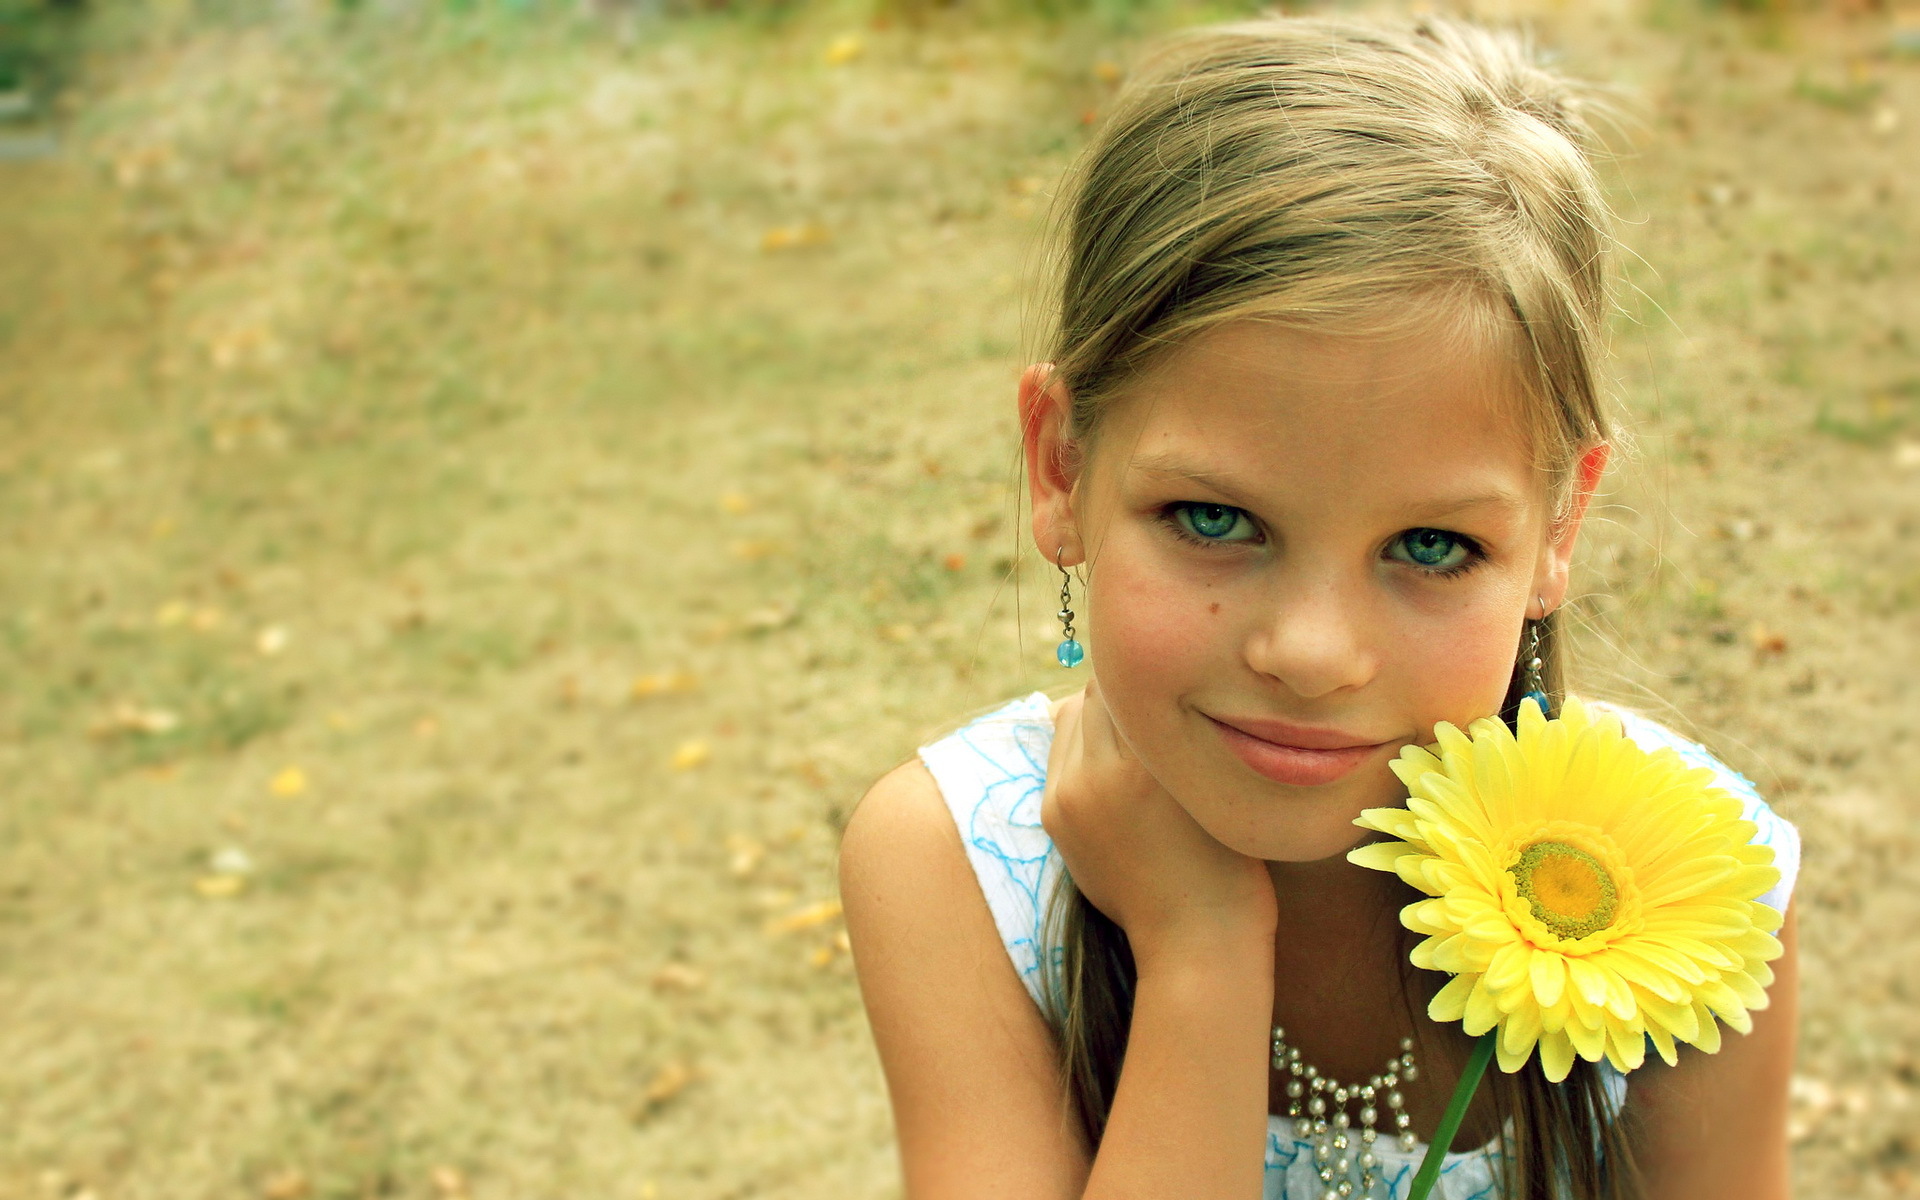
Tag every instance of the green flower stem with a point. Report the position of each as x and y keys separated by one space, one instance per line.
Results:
x=1429 y=1173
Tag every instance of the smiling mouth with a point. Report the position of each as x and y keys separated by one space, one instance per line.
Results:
x=1328 y=754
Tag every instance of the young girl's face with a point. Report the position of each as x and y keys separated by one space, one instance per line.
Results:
x=1304 y=551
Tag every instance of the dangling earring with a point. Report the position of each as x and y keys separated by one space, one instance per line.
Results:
x=1530 y=686
x=1069 y=652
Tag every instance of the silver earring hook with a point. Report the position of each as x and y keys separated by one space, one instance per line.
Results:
x=1070 y=652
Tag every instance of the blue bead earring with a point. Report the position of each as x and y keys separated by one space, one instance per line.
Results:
x=1069 y=652
x=1531 y=687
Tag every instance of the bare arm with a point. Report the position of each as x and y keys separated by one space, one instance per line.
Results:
x=977 y=1105
x=972 y=1068
x=1714 y=1127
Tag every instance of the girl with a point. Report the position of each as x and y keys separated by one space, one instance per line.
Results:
x=1319 y=429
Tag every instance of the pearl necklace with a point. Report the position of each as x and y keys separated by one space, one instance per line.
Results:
x=1318 y=1106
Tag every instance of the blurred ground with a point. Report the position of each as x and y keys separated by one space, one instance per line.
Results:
x=483 y=494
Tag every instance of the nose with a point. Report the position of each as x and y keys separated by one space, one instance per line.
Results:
x=1313 y=640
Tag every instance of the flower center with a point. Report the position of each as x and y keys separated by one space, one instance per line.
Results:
x=1570 y=892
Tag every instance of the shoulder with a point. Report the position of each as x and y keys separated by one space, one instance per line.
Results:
x=900 y=825
x=961 y=825
x=912 y=908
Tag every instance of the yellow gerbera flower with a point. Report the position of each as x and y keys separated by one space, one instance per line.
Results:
x=1588 y=896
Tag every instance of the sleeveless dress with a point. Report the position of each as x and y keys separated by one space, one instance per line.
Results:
x=991 y=773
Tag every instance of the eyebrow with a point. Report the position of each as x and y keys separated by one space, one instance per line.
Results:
x=1169 y=467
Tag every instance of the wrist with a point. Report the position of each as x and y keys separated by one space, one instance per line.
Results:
x=1205 y=948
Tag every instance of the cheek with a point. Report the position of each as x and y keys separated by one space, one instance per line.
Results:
x=1457 y=668
x=1152 y=633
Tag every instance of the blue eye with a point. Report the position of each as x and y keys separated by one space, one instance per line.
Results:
x=1213 y=522
x=1433 y=549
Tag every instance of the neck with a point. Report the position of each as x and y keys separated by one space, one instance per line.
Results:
x=1334 y=890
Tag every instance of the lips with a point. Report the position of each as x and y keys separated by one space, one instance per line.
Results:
x=1301 y=755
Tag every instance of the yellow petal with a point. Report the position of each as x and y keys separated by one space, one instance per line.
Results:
x=1589 y=1041
x=1394 y=822
x=1587 y=982
x=1663 y=1042
x=1450 y=1002
x=1626 y=1047
x=1549 y=972
x=1427 y=916
x=1482 y=1013
x=1378 y=856
x=1556 y=1056
x=1508 y=970
x=1681 y=1020
x=1518 y=1035
x=1746 y=989
x=1708 y=1035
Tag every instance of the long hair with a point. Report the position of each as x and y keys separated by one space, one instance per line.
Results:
x=1357 y=179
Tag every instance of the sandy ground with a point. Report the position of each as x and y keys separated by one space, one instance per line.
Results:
x=482 y=498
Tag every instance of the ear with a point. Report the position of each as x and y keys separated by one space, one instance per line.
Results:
x=1053 y=463
x=1557 y=564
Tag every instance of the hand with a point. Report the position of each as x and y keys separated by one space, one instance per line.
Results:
x=1134 y=852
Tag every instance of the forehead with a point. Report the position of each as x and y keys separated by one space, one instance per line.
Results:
x=1338 y=417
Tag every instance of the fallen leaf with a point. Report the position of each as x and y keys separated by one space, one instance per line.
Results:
x=219 y=887
x=131 y=718
x=663 y=683
x=426 y=727
x=954 y=562
x=270 y=641
x=448 y=1181
x=745 y=855
x=669 y=1081
x=690 y=755
x=1107 y=72
x=1906 y=455
x=734 y=503
x=844 y=49
x=769 y=617
x=204 y=619
x=173 y=612
x=842 y=942
x=816 y=914
x=1765 y=640
x=1884 y=120
x=755 y=549
x=231 y=860
x=286 y=1185
x=896 y=633
x=795 y=237
x=810 y=771
x=291 y=781
x=679 y=977
x=821 y=956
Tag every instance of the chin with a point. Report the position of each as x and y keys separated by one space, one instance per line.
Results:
x=1263 y=828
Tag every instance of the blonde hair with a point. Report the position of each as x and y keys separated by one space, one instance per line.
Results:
x=1347 y=177
x=1362 y=179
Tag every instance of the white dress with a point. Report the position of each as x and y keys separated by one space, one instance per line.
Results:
x=991 y=773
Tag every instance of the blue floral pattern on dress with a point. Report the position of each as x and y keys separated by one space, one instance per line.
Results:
x=992 y=773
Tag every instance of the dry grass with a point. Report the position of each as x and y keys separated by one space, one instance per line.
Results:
x=482 y=496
